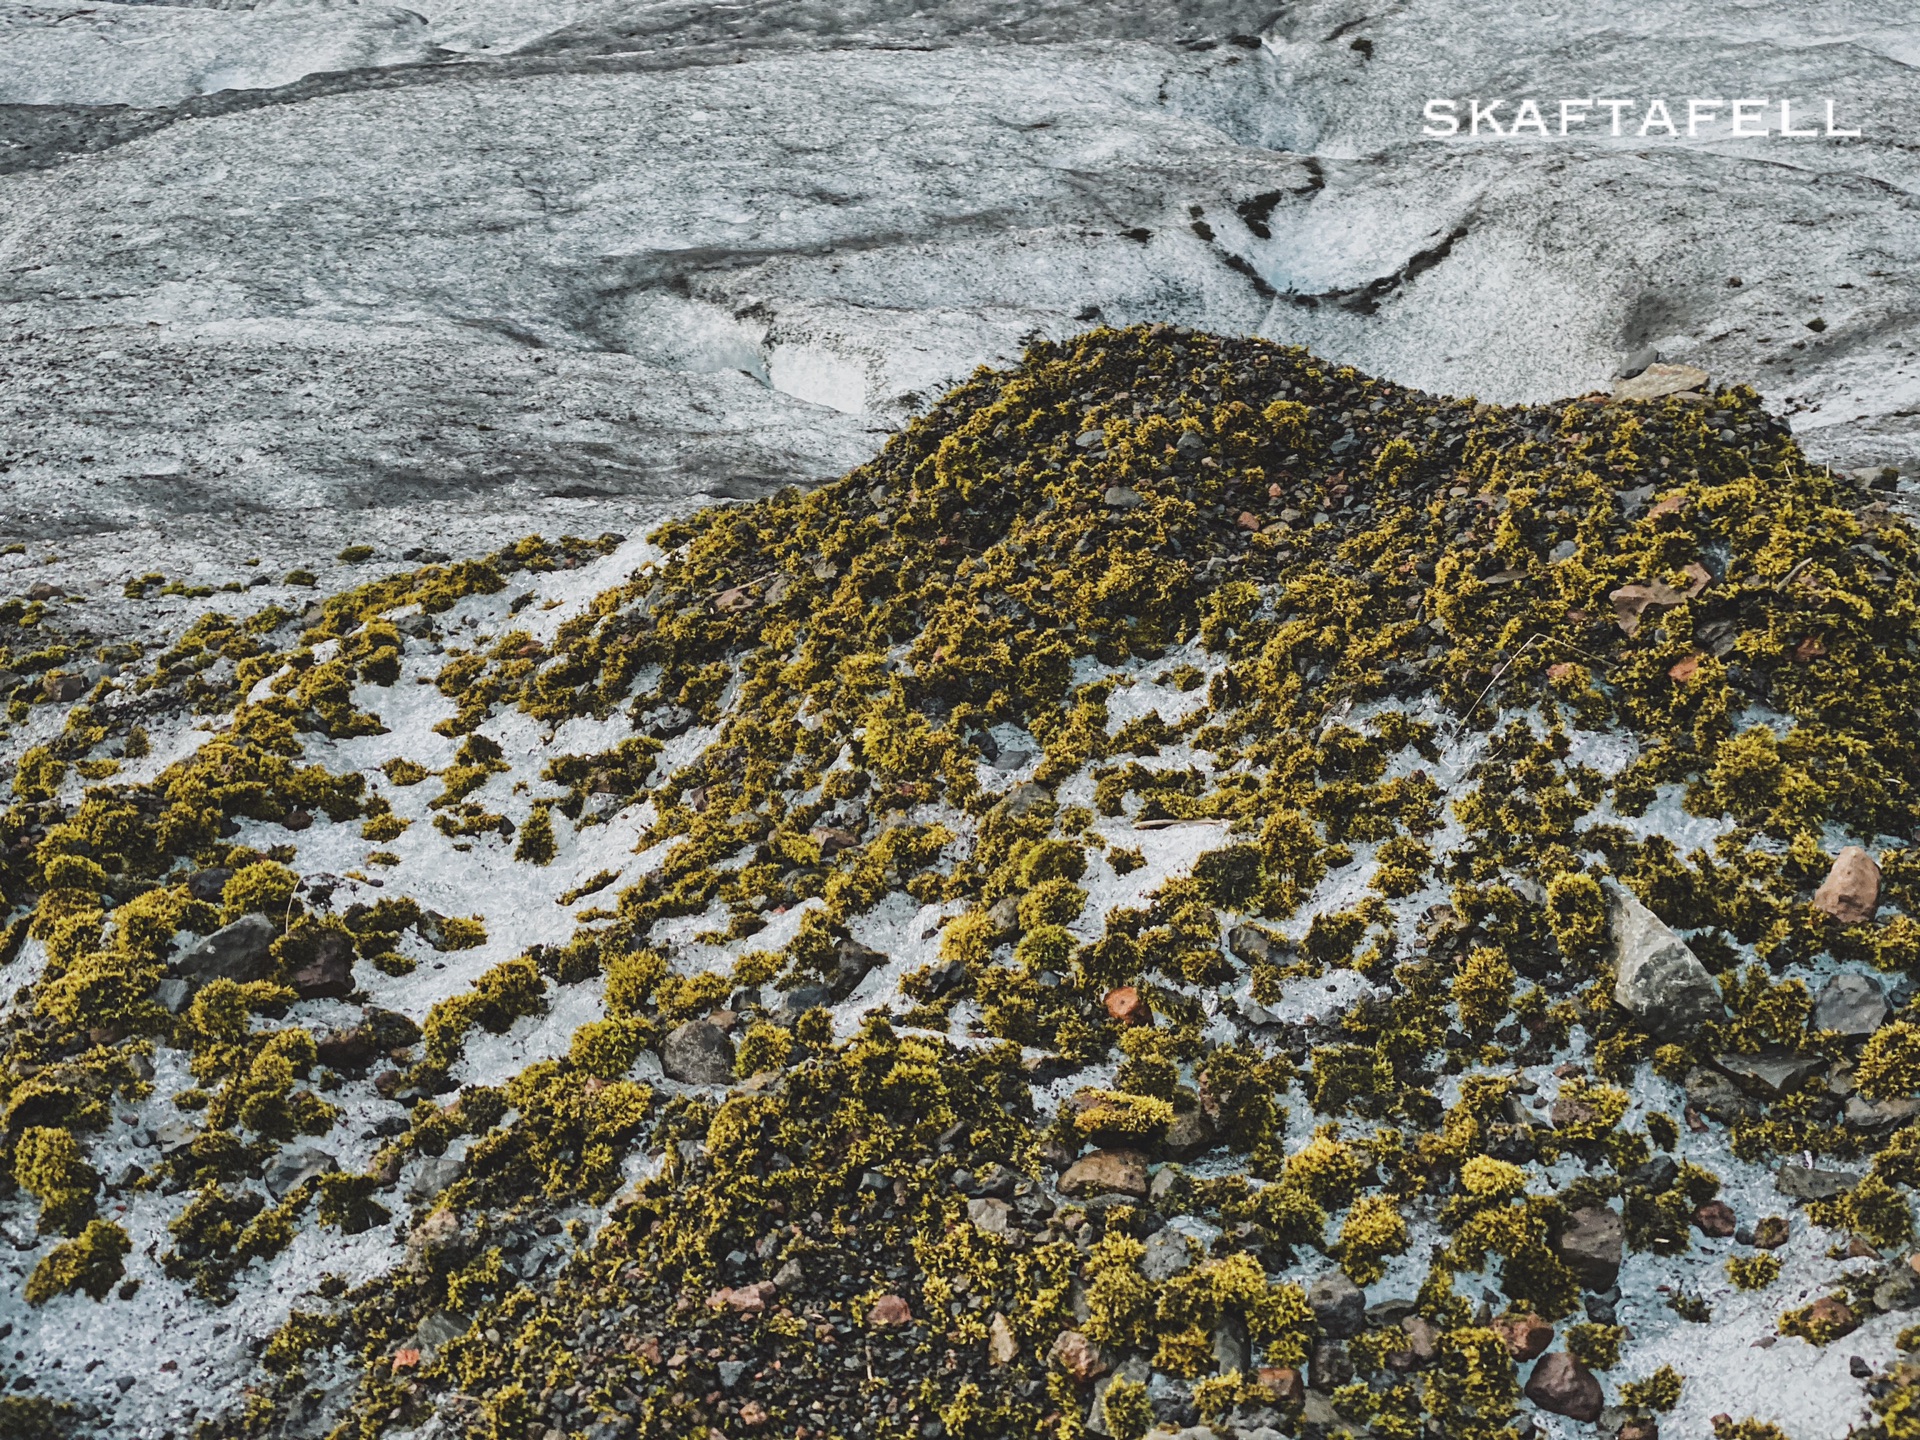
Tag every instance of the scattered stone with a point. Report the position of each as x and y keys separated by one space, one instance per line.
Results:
x=1230 y=1352
x=1715 y=1218
x=1636 y=362
x=1712 y=1094
x=239 y=951
x=1078 y=1356
x=1592 y=1245
x=889 y=1312
x=346 y=1049
x=1190 y=1134
x=209 y=884
x=1771 y=1233
x=1525 y=1336
x=747 y=1299
x=291 y=1168
x=992 y=1217
x=434 y=1177
x=1878 y=1114
x=1328 y=1366
x=1024 y=799
x=1106 y=1172
x=328 y=972
x=1121 y=497
x=1850 y=1004
x=1004 y=916
x=1167 y=1255
x=1657 y=978
x=1771 y=1075
x=1423 y=1344
x=1639 y=1427
x=1801 y=1182
x=1127 y=1006
x=1832 y=1316
x=697 y=1053
x=441 y=1327
x=1002 y=1348
x=172 y=994
x=1657 y=380
x=1851 y=891
x=731 y=1372
x=1281 y=1384
x=1253 y=945
x=1562 y=1385
x=1338 y=1304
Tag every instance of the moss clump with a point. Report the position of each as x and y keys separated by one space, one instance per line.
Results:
x=536 y=844
x=92 y=1264
x=48 y=1165
x=1753 y=1272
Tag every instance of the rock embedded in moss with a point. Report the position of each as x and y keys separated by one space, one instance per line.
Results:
x=239 y=951
x=1592 y=1243
x=1851 y=891
x=1850 y=1004
x=1656 y=977
x=1562 y=1385
x=1106 y=1172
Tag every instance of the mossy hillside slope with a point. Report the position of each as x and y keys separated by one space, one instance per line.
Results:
x=1348 y=585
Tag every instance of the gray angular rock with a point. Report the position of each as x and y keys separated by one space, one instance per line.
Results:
x=1338 y=1304
x=1592 y=1245
x=991 y=1216
x=173 y=994
x=1026 y=798
x=1254 y=945
x=1716 y=1096
x=1801 y=1182
x=1656 y=977
x=436 y=1175
x=1004 y=916
x=1771 y=1075
x=1329 y=1366
x=1851 y=1004
x=1167 y=1255
x=697 y=1053
x=1230 y=1346
x=294 y=1167
x=234 y=952
x=440 y=1327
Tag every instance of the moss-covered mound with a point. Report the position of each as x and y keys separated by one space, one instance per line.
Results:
x=1358 y=700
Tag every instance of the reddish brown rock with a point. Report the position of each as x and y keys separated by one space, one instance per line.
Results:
x=327 y=970
x=1078 y=1356
x=1851 y=891
x=1564 y=1386
x=1715 y=1218
x=1641 y=1427
x=746 y=1300
x=889 y=1312
x=1106 y=1172
x=1423 y=1344
x=1282 y=1384
x=1126 y=1006
x=754 y=1415
x=1833 y=1316
x=1526 y=1336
